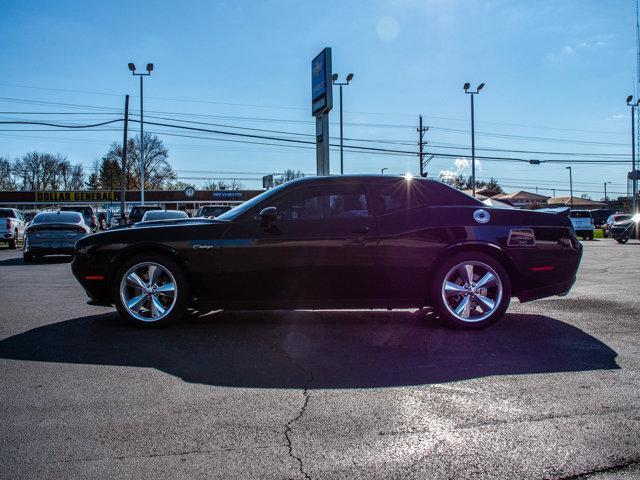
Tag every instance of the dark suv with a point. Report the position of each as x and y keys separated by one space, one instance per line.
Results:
x=212 y=211
x=137 y=213
x=87 y=213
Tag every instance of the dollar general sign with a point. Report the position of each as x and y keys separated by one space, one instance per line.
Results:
x=74 y=196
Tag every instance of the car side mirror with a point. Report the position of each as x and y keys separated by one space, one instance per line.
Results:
x=268 y=215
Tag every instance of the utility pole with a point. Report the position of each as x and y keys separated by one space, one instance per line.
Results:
x=132 y=67
x=570 y=186
x=606 y=200
x=634 y=183
x=421 y=143
x=341 y=84
x=473 y=135
x=123 y=174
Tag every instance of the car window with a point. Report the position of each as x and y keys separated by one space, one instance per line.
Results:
x=7 y=213
x=580 y=214
x=338 y=201
x=58 y=217
x=398 y=196
x=621 y=218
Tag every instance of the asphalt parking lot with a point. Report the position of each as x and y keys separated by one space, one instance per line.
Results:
x=552 y=391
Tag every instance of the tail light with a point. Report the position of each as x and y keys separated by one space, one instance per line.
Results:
x=8 y=224
x=79 y=228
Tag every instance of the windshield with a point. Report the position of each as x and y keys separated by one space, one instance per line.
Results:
x=7 y=212
x=621 y=218
x=243 y=207
x=59 y=217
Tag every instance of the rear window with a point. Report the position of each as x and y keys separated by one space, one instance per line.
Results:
x=86 y=211
x=621 y=218
x=7 y=213
x=62 y=217
x=162 y=215
x=142 y=210
x=580 y=214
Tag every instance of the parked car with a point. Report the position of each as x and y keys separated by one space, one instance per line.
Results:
x=87 y=212
x=212 y=211
x=137 y=213
x=582 y=223
x=624 y=229
x=154 y=215
x=616 y=217
x=600 y=216
x=12 y=224
x=54 y=233
x=369 y=241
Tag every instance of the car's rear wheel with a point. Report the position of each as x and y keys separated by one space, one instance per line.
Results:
x=151 y=290
x=622 y=239
x=27 y=257
x=471 y=290
x=13 y=243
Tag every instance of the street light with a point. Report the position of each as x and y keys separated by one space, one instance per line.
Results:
x=473 y=136
x=335 y=82
x=570 y=187
x=606 y=200
x=132 y=67
x=634 y=183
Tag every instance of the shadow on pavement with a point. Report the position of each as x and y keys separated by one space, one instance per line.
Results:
x=39 y=261
x=318 y=349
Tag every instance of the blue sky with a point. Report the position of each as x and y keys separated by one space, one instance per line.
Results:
x=558 y=71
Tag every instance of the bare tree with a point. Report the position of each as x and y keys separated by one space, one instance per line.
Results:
x=47 y=171
x=158 y=173
x=233 y=184
x=7 y=181
x=287 y=175
x=178 y=185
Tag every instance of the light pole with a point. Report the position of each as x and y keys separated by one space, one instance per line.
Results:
x=606 y=200
x=335 y=82
x=570 y=187
x=383 y=169
x=132 y=67
x=634 y=184
x=473 y=136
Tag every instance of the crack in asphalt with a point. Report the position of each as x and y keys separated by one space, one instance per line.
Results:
x=289 y=429
x=594 y=471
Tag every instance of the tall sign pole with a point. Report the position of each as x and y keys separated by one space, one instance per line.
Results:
x=123 y=172
x=321 y=105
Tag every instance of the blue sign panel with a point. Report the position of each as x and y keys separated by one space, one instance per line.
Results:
x=227 y=195
x=321 y=92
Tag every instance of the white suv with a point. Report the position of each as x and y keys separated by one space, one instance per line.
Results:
x=582 y=222
x=11 y=226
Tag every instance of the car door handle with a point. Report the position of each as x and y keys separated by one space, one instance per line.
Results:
x=362 y=230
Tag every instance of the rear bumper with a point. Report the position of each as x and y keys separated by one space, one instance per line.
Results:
x=36 y=250
x=561 y=288
x=97 y=289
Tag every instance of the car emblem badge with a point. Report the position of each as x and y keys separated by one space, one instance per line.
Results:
x=481 y=216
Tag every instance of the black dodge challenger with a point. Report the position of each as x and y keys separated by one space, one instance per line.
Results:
x=365 y=241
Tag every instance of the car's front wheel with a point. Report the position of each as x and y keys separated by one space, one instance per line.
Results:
x=471 y=290
x=151 y=290
x=622 y=239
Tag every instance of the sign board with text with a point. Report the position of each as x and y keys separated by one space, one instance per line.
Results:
x=321 y=83
x=77 y=196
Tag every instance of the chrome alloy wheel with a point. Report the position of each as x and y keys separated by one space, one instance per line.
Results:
x=148 y=291
x=472 y=291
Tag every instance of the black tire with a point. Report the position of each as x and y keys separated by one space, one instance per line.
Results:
x=591 y=236
x=13 y=243
x=437 y=299
x=622 y=240
x=182 y=293
x=27 y=257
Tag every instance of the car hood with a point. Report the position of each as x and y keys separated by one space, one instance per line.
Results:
x=168 y=223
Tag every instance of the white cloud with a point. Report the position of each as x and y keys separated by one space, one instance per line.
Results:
x=619 y=115
x=567 y=50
